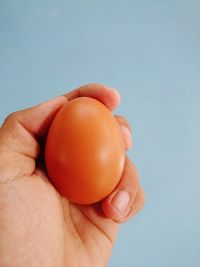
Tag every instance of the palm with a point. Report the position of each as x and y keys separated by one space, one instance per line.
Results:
x=51 y=229
x=85 y=228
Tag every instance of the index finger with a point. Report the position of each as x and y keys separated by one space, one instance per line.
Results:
x=105 y=94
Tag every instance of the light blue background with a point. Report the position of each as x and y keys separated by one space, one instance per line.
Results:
x=150 y=51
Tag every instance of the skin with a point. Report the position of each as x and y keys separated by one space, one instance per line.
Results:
x=39 y=227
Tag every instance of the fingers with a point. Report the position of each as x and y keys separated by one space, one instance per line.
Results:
x=126 y=131
x=108 y=96
x=127 y=198
x=20 y=129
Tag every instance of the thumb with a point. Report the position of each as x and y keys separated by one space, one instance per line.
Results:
x=21 y=131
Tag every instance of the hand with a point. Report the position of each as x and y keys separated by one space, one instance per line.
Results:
x=39 y=227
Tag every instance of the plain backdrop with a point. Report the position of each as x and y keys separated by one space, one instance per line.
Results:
x=150 y=52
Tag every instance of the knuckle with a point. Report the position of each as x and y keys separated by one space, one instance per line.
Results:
x=10 y=124
x=12 y=117
x=120 y=117
x=122 y=120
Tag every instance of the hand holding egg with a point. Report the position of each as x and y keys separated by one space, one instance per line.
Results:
x=85 y=153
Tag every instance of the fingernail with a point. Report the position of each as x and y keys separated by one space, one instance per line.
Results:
x=128 y=135
x=120 y=201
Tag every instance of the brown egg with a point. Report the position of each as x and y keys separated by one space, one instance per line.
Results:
x=84 y=151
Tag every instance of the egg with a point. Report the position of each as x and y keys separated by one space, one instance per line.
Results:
x=84 y=151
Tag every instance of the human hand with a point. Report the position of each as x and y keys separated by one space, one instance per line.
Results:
x=39 y=227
